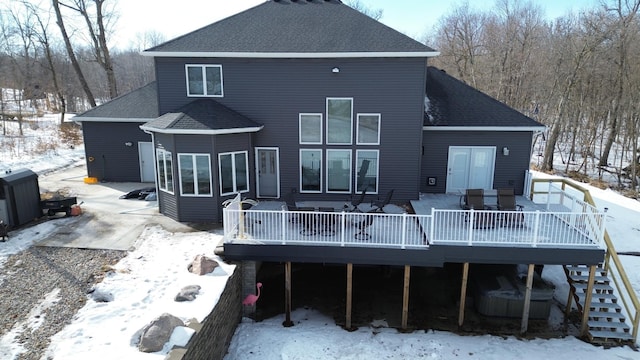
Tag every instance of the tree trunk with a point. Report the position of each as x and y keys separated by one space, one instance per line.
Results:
x=72 y=56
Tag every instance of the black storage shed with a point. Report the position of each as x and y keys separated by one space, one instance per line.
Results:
x=19 y=197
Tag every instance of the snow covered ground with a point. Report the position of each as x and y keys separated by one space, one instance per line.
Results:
x=144 y=284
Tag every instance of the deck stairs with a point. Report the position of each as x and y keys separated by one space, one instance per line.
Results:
x=606 y=323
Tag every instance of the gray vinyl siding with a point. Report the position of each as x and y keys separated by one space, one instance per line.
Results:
x=509 y=170
x=108 y=159
x=273 y=92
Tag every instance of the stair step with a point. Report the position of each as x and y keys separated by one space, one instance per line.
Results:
x=585 y=278
x=584 y=269
x=606 y=315
x=609 y=325
x=596 y=296
x=605 y=305
x=604 y=334
x=596 y=286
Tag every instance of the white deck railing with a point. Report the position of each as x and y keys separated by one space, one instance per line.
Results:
x=443 y=227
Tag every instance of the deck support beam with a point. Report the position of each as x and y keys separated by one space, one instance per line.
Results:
x=405 y=297
x=527 y=300
x=586 y=307
x=463 y=293
x=349 y=296
x=287 y=295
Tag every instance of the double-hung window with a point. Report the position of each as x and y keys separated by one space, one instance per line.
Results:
x=165 y=170
x=195 y=174
x=204 y=80
x=234 y=172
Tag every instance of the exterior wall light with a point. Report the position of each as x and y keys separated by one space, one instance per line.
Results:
x=128 y=143
x=335 y=70
x=505 y=151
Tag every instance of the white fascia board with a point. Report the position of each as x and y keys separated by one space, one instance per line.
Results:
x=484 y=128
x=200 y=132
x=292 y=55
x=108 y=119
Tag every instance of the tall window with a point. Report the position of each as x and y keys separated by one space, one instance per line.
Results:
x=367 y=170
x=310 y=170
x=310 y=128
x=234 y=173
x=339 y=121
x=339 y=171
x=195 y=174
x=204 y=80
x=165 y=170
x=368 y=129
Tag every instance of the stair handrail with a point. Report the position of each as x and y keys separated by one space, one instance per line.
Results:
x=610 y=256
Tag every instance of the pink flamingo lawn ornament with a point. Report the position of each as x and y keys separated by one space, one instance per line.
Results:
x=251 y=299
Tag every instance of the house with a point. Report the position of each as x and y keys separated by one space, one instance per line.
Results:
x=316 y=99
x=290 y=103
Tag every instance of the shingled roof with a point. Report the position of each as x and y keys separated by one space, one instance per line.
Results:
x=202 y=116
x=451 y=103
x=302 y=28
x=140 y=105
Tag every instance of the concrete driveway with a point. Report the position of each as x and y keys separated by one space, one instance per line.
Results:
x=107 y=222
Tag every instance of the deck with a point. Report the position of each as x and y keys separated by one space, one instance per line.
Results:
x=437 y=233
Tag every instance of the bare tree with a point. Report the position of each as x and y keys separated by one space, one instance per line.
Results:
x=95 y=25
x=360 y=6
x=72 y=55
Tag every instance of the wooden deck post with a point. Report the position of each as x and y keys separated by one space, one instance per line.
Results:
x=527 y=300
x=349 y=295
x=287 y=295
x=405 y=297
x=463 y=293
x=586 y=307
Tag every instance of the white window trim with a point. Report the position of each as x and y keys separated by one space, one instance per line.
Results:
x=233 y=172
x=350 y=121
x=377 y=170
x=319 y=151
x=204 y=79
x=358 y=129
x=161 y=186
x=350 y=172
x=195 y=175
x=300 y=128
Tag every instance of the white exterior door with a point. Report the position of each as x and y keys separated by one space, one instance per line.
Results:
x=145 y=154
x=470 y=168
x=268 y=172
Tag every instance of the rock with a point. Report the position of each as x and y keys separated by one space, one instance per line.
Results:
x=188 y=293
x=158 y=332
x=101 y=296
x=202 y=265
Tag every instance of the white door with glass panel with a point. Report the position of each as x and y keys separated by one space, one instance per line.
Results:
x=470 y=168
x=145 y=155
x=267 y=168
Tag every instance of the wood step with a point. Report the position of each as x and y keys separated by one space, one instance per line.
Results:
x=584 y=278
x=584 y=269
x=583 y=286
x=606 y=315
x=604 y=334
x=609 y=325
x=597 y=296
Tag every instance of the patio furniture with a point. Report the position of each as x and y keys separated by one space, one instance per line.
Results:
x=378 y=205
x=474 y=199
x=357 y=200
x=507 y=202
x=362 y=228
x=327 y=221
x=309 y=220
x=290 y=205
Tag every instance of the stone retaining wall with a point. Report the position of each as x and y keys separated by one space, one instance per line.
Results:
x=212 y=341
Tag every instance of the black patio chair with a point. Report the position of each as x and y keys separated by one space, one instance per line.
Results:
x=362 y=227
x=378 y=205
x=507 y=202
x=474 y=199
x=356 y=201
x=290 y=205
